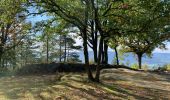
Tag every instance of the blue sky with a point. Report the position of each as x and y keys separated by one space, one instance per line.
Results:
x=35 y=19
x=163 y=51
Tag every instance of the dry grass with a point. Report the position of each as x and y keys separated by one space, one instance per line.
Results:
x=116 y=84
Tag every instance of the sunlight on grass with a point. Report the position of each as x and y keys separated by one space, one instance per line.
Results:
x=75 y=86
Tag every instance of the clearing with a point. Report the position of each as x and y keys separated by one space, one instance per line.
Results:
x=117 y=84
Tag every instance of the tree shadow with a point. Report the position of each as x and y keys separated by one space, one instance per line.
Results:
x=140 y=93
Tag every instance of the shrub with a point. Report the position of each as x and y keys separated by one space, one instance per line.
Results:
x=164 y=68
x=135 y=66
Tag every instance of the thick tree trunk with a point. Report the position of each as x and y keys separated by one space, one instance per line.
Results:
x=116 y=54
x=140 y=60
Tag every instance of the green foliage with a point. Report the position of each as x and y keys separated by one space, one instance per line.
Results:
x=114 y=62
x=165 y=68
x=13 y=30
x=142 y=23
x=135 y=66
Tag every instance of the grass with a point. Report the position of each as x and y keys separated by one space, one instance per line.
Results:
x=116 y=84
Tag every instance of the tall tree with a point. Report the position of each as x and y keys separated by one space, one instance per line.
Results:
x=13 y=27
x=74 y=12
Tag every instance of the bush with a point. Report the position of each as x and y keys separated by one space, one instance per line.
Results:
x=52 y=68
x=135 y=66
x=164 y=68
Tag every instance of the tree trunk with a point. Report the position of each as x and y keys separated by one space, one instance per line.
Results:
x=96 y=44
x=60 y=49
x=116 y=53
x=68 y=54
x=105 y=52
x=0 y=59
x=95 y=54
x=95 y=51
x=140 y=60
x=86 y=56
x=97 y=77
x=85 y=38
x=47 y=49
x=3 y=63
x=94 y=40
x=102 y=57
x=65 y=49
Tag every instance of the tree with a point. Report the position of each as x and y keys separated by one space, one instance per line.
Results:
x=78 y=17
x=71 y=50
x=113 y=43
x=13 y=27
x=143 y=30
x=91 y=20
x=56 y=32
x=98 y=20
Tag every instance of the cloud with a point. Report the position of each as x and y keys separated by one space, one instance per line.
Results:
x=157 y=50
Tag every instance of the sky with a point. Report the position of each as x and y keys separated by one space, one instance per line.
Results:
x=157 y=50
x=35 y=19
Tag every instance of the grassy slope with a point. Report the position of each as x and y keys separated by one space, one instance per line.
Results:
x=116 y=84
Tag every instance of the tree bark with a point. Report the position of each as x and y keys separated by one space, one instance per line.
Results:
x=105 y=52
x=0 y=59
x=47 y=49
x=65 y=49
x=140 y=60
x=116 y=54
x=97 y=77
x=85 y=43
x=94 y=40
x=95 y=54
x=60 y=49
x=86 y=56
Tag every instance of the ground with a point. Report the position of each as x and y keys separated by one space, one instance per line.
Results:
x=116 y=84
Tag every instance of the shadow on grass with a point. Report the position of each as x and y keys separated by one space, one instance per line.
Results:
x=24 y=87
x=47 y=87
x=139 y=93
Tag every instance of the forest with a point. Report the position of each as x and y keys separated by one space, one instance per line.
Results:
x=41 y=42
